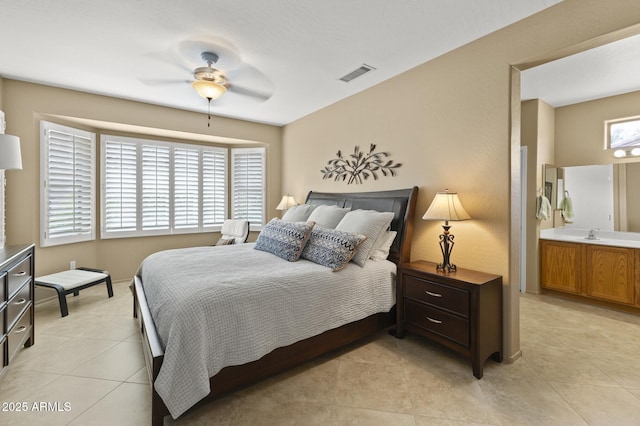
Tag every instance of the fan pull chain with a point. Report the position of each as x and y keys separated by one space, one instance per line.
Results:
x=209 y=113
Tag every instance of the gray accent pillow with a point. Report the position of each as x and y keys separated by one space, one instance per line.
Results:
x=370 y=223
x=331 y=248
x=284 y=239
x=328 y=216
x=299 y=213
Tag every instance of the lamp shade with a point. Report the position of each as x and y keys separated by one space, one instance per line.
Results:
x=286 y=203
x=10 y=157
x=446 y=206
x=209 y=89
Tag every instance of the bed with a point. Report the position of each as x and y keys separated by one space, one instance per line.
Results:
x=233 y=373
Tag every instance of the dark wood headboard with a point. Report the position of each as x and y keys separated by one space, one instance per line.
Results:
x=402 y=202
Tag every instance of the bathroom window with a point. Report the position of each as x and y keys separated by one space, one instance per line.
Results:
x=623 y=133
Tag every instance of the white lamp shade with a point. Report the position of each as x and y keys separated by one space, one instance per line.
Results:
x=286 y=203
x=10 y=157
x=446 y=206
x=209 y=89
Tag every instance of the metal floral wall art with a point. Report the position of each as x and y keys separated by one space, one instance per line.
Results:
x=359 y=166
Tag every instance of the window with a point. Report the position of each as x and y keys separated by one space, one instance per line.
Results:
x=154 y=188
x=624 y=133
x=67 y=187
x=248 y=185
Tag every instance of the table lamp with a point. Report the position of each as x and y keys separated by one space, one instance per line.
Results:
x=286 y=203
x=10 y=159
x=446 y=206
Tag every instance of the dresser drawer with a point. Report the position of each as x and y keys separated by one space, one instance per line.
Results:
x=18 y=275
x=438 y=321
x=19 y=334
x=439 y=295
x=3 y=354
x=18 y=303
x=3 y=283
x=3 y=324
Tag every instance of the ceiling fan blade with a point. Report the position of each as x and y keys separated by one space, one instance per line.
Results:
x=163 y=81
x=244 y=91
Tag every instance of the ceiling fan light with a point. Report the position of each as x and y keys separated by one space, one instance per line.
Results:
x=209 y=89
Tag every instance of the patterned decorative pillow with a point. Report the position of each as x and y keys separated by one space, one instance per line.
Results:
x=331 y=248
x=284 y=239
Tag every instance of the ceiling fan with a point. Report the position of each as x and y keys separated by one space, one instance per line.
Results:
x=211 y=83
x=225 y=75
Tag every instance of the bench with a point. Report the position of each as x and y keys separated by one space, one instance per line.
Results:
x=72 y=281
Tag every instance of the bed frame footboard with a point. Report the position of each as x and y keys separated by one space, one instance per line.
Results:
x=152 y=348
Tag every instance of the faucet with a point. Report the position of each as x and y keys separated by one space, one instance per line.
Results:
x=592 y=234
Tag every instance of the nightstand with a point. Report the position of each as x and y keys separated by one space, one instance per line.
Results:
x=461 y=310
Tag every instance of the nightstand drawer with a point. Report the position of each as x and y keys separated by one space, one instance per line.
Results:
x=18 y=303
x=19 y=334
x=437 y=321
x=439 y=295
x=18 y=275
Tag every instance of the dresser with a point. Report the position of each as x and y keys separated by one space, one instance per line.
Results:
x=16 y=301
x=461 y=310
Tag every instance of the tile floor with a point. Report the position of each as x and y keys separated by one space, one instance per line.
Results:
x=580 y=366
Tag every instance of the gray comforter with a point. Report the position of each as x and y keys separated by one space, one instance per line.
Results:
x=219 y=306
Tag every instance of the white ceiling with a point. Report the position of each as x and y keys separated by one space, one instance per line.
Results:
x=295 y=51
x=608 y=70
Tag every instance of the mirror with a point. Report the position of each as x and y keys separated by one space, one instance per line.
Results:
x=603 y=196
x=553 y=184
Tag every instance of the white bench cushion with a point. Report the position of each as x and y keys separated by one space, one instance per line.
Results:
x=72 y=278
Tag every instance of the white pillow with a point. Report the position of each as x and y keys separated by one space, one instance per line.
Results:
x=328 y=216
x=370 y=223
x=381 y=251
x=299 y=213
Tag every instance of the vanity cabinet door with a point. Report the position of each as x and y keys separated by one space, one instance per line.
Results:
x=560 y=266
x=610 y=273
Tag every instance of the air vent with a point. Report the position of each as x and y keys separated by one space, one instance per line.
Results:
x=357 y=73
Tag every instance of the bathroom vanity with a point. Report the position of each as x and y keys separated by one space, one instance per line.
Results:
x=603 y=266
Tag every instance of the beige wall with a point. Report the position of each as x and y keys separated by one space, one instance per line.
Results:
x=448 y=122
x=25 y=104
x=537 y=132
x=580 y=129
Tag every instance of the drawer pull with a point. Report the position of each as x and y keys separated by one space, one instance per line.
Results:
x=20 y=329
x=430 y=293
x=435 y=321
x=20 y=301
x=20 y=274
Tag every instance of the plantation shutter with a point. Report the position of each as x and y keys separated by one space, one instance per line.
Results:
x=214 y=187
x=186 y=188
x=68 y=194
x=120 y=174
x=248 y=185
x=156 y=201
x=159 y=188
